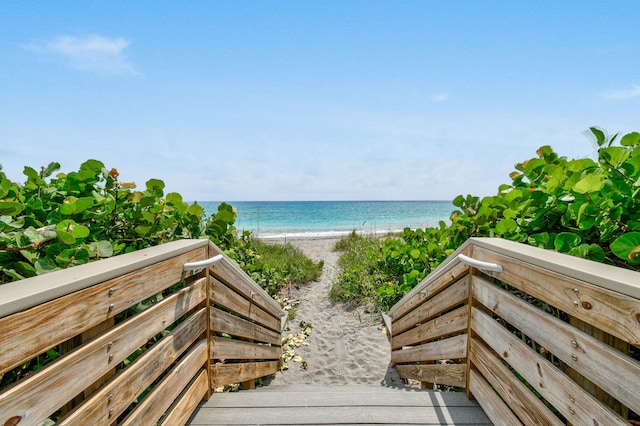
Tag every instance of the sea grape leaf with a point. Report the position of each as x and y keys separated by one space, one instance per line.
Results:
x=100 y=249
x=615 y=155
x=509 y=214
x=539 y=240
x=590 y=183
x=45 y=265
x=155 y=186
x=630 y=139
x=10 y=208
x=195 y=209
x=565 y=241
x=51 y=167
x=599 y=134
x=588 y=251
x=627 y=247
x=75 y=205
x=506 y=226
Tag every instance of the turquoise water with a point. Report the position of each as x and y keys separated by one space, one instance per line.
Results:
x=334 y=218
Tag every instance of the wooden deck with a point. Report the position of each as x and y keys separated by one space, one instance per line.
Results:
x=352 y=404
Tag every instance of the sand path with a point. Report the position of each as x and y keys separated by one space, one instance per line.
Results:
x=346 y=345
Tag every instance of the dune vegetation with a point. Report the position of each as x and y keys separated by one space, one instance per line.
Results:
x=584 y=207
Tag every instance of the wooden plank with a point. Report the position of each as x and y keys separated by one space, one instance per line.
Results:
x=442 y=374
x=227 y=374
x=490 y=402
x=228 y=299
x=156 y=402
x=180 y=413
x=599 y=362
x=229 y=349
x=24 y=294
x=117 y=395
x=612 y=312
x=524 y=403
x=614 y=342
x=449 y=271
x=231 y=274
x=449 y=323
x=340 y=415
x=341 y=395
x=223 y=322
x=70 y=375
x=577 y=405
x=448 y=298
x=451 y=348
x=29 y=333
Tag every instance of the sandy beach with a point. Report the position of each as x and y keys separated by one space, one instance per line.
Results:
x=346 y=345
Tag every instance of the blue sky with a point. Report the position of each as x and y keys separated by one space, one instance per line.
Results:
x=313 y=100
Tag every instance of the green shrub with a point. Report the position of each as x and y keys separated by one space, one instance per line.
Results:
x=582 y=207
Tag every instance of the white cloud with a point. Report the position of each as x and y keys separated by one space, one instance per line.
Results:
x=93 y=53
x=620 y=95
x=440 y=97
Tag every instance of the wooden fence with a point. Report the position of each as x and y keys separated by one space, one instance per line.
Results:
x=544 y=338
x=133 y=339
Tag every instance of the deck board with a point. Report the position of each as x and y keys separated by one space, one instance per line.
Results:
x=354 y=404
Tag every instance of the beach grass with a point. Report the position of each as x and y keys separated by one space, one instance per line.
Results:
x=358 y=281
x=288 y=262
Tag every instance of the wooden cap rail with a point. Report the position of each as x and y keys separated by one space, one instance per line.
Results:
x=537 y=337
x=16 y=296
x=131 y=326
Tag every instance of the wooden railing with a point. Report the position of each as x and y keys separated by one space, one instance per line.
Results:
x=137 y=339
x=545 y=338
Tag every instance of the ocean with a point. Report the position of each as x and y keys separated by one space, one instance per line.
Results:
x=277 y=219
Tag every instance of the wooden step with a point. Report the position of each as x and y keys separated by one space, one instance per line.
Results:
x=351 y=404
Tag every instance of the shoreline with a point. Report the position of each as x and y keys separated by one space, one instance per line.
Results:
x=327 y=235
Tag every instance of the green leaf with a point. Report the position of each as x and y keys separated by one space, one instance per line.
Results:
x=539 y=240
x=75 y=205
x=509 y=214
x=71 y=227
x=10 y=208
x=565 y=241
x=587 y=216
x=25 y=269
x=630 y=139
x=627 y=247
x=155 y=186
x=45 y=265
x=52 y=167
x=142 y=229
x=513 y=195
x=196 y=210
x=65 y=237
x=590 y=183
x=588 y=251
x=599 y=134
x=615 y=155
x=94 y=166
x=100 y=249
x=506 y=226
